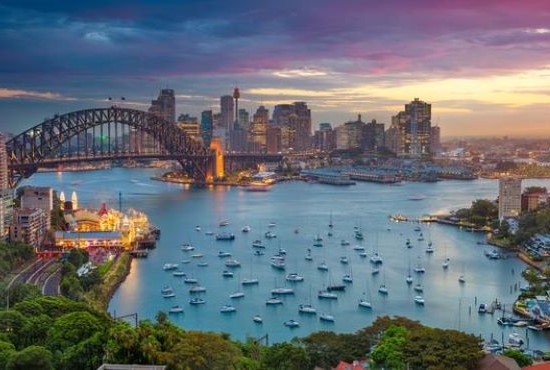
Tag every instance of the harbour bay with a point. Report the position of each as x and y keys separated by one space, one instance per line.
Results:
x=307 y=208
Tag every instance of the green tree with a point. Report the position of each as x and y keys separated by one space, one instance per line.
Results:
x=71 y=329
x=388 y=352
x=521 y=358
x=87 y=354
x=33 y=357
x=326 y=349
x=286 y=356
x=7 y=349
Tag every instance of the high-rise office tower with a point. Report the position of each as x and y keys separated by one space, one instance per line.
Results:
x=257 y=131
x=435 y=140
x=414 y=129
x=350 y=134
x=244 y=118
x=227 y=112
x=294 y=120
x=373 y=136
x=509 y=197
x=207 y=127
x=165 y=105
x=324 y=139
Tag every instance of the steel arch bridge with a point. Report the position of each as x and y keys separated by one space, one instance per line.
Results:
x=73 y=137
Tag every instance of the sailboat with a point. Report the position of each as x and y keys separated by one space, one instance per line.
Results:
x=447 y=260
x=307 y=308
x=409 y=278
x=238 y=293
x=348 y=278
x=330 y=222
x=419 y=269
x=250 y=280
x=383 y=289
x=461 y=278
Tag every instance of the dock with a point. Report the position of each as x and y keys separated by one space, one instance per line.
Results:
x=139 y=253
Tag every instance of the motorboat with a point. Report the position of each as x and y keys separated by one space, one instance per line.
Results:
x=236 y=295
x=376 y=259
x=232 y=263
x=223 y=254
x=375 y=271
x=176 y=309
x=257 y=319
x=166 y=289
x=409 y=279
x=225 y=236
x=364 y=303
x=178 y=273
x=272 y=224
x=326 y=317
x=227 y=274
x=257 y=244
x=505 y=321
x=482 y=308
x=461 y=279
x=190 y=280
x=294 y=277
x=344 y=260
x=418 y=288
x=347 y=278
x=291 y=323
x=187 y=247
x=281 y=252
x=198 y=228
x=223 y=223
x=515 y=340
x=336 y=287
x=344 y=243
x=282 y=291
x=270 y=235
x=197 y=255
x=307 y=309
x=246 y=229
x=359 y=235
x=273 y=301
x=383 y=290
x=202 y=264
x=309 y=257
x=249 y=281
x=168 y=295
x=227 y=308
x=358 y=248
x=169 y=266
x=185 y=261
x=419 y=300
x=363 y=254
x=322 y=267
x=446 y=263
x=279 y=264
x=197 y=289
x=419 y=270
x=430 y=249
x=197 y=300
x=324 y=294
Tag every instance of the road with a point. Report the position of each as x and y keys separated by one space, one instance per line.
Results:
x=38 y=274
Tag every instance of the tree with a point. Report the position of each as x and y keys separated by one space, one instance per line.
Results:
x=388 y=352
x=521 y=358
x=33 y=357
x=286 y=356
x=7 y=349
x=71 y=329
x=326 y=349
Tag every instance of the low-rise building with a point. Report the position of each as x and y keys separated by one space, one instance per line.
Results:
x=29 y=226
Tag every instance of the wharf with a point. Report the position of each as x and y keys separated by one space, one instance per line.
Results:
x=402 y=218
x=139 y=253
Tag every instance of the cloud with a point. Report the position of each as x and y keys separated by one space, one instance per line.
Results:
x=6 y=93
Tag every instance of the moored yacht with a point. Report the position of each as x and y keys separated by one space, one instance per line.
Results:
x=227 y=308
x=232 y=263
x=169 y=266
x=322 y=266
x=175 y=309
x=307 y=309
x=249 y=281
x=364 y=303
x=258 y=244
x=246 y=229
x=257 y=319
x=419 y=300
x=323 y=294
x=383 y=290
x=294 y=277
x=326 y=317
x=282 y=291
x=291 y=323
x=273 y=301
x=197 y=300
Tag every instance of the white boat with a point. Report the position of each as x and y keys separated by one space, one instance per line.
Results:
x=187 y=247
x=197 y=289
x=418 y=288
x=417 y=196
x=358 y=248
x=307 y=309
x=294 y=277
x=178 y=273
x=197 y=255
x=291 y=323
x=344 y=260
x=223 y=254
x=227 y=274
x=225 y=236
x=347 y=278
x=272 y=224
x=236 y=295
x=419 y=269
x=198 y=228
x=209 y=233
x=226 y=308
x=166 y=289
x=202 y=264
x=323 y=294
x=364 y=303
x=344 y=242
x=419 y=300
x=515 y=340
x=257 y=319
x=197 y=300
x=175 y=309
x=190 y=280
x=461 y=279
x=169 y=295
x=326 y=317
x=249 y=281
x=279 y=264
x=309 y=257
x=363 y=254
x=322 y=267
x=246 y=229
x=430 y=249
x=273 y=301
x=185 y=261
x=409 y=279
x=223 y=223
x=282 y=291
x=232 y=263
x=383 y=289
x=270 y=235
x=446 y=263
x=169 y=266
x=375 y=271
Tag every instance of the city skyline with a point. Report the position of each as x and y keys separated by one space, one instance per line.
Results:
x=482 y=66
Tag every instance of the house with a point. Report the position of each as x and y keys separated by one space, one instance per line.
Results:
x=542 y=366
x=496 y=362
x=355 y=365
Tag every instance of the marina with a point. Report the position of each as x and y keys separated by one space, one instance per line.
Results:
x=307 y=207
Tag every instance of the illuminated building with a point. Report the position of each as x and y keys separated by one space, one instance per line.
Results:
x=350 y=134
x=273 y=140
x=74 y=201
x=294 y=120
x=227 y=112
x=29 y=226
x=412 y=128
x=509 y=197
x=325 y=138
x=6 y=194
x=165 y=105
x=257 y=131
x=435 y=140
x=236 y=96
x=207 y=125
x=244 y=119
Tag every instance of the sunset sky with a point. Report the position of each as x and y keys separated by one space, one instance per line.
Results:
x=483 y=65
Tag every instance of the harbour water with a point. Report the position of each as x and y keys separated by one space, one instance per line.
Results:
x=299 y=212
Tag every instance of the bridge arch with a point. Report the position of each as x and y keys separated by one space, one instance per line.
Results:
x=43 y=143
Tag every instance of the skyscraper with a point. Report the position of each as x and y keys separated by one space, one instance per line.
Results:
x=6 y=194
x=207 y=124
x=227 y=112
x=294 y=120
x=412 y=129
x=244 y=118
x=509 y=197
x=325 y=138
x=236 y=96
x=257 y=131
x=435 y=140
x=373 y=136
x=350 y=134
x=165 y=105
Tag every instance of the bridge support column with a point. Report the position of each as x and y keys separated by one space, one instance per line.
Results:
x=218 y=168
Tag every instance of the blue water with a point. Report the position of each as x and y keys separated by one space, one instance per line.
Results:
x=177 y=209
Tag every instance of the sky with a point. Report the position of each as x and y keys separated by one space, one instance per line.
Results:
x=483 y=65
